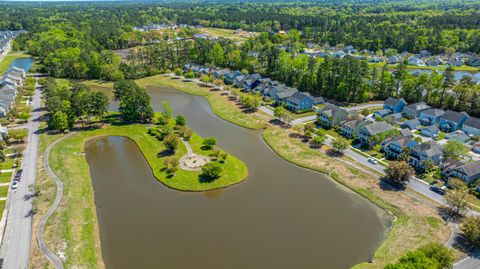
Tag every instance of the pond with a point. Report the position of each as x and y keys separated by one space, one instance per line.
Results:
x=24 y=63
x=281 y=216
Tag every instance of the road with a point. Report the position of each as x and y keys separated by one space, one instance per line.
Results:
x=471 y=262
x=15 y=248
x=363 y=106
x=5 y=52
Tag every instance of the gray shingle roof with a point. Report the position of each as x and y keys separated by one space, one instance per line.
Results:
x=393 y=101
x=378 y=128
x=418 y=106
x=453 y=116
x=434 y=112
x=429 y=148
x=298 y=96
x=472 y=122
x=470 y=169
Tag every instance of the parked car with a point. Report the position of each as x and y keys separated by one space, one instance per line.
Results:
x=14 y=185
x=438 y=190
x=372 y=161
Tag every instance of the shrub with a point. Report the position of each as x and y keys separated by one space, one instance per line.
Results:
x=211 y=170
x=171 y=142
x=209 y=142
x=180 y=120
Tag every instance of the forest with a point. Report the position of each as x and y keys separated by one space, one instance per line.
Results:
x=78 y=40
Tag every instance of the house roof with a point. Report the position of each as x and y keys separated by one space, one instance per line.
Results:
x=432 y=128
x=383 y=112
x=352 y=123
x=472 y=122
x=331 y=109
x=378 y=128
x=453 y=116
x=450 y=163
x=418 y=106
x=252 y=78
x=435 y=112
x=406 y=132
x=429 y=148
x=400 y=141
x=393 y=101
x=299 y=96
x=470 y=169
x=412 y=121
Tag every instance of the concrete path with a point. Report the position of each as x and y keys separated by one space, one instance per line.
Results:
x=15 y=244
x=52 y=257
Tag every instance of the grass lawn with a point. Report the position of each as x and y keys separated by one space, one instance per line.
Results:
x=4 y=191
x=2 y=207
x=72 y=224
x=223 y=33
x=5 y=177
x=416 y=224
x=220 y=105
x=7 y=164
x=8 y=60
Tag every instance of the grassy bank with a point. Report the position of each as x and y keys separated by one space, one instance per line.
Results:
x=416 y=223
x=8 y=60
x=73 y=229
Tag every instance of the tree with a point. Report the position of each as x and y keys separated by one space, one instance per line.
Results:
x=180 y=120
x=189 y=75
x=318 y=140
x=171 y=142
x=18 y=134
x=455 y=149
x=98 y=104
x=223 y=156
x=59 y=121
x=134 y=101
x=212 y=170
x=471 y=230
x=23 y=116
x=430 y=256
x=405 y=155
x=209 y=142
x=399 y=172
x=457 y=199
x=171 y=164
x=440 y=253
x=178 y=71
x=281 y=113
x=340 y=144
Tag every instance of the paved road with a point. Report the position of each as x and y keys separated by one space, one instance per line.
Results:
x=52 y=257
x=472 y=262
x=15 y=248
x=5 y=52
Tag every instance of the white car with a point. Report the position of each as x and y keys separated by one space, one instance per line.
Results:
x=372 y=161
x=14 y=185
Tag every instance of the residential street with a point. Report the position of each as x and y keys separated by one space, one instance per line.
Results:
x=15 y=248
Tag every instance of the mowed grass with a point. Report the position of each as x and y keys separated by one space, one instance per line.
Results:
x=220 y=105
x=8 y=60
x=223 y=33
x=415 y=224
x=4 y=191
x=5 y=177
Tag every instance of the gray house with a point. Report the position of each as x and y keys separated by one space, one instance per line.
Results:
x=373 y=129
x=332 y=115
x=393 y=147
x=469 y=172
x=351 y=128
x=429 y=150
x=413 y=110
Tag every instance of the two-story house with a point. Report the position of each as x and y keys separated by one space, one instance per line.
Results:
x=394 y=104
x=229 y=76
x=411 y=124
x=280 y=92
x=393 y=147
x=332 y=115
x=472 y=126
x=350 y=128
x=251 y=81
x=430 y=116
x=373 y=129
x=299 y=101
x=451 y=121
x=469 y=172
x=429 y=150
x=413 y=110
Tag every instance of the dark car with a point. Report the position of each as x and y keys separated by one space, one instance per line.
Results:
x=18 y=175
x=437 y=190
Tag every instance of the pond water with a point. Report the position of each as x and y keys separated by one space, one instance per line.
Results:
x=281 y=216
x=24 y=63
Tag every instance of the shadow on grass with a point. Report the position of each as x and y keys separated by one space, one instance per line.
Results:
x=165 y=153
x=448 y=215
x=204 y=179
x=334 y=153
x=387 y=185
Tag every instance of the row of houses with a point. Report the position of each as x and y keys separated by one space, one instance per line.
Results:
x=9 y=82
x=395 y=142
x=254 y=83
x=6 y=37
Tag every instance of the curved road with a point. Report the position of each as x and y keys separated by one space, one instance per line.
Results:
x=56 y=261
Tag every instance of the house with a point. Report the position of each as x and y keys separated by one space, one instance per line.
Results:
x=429 y=131
x=469 y=172
x=432 y=62
x=299 y=101
x=318 y=100
x=349 y=49
x=429 y=150
x=459 y=136
x=332 y=115
x=411 y=124
x=279 y=93
x=350 y=128
x=382 y=113
x=395 y=118
x=430 y=116
x=373 y=129
x=7 y=81
x=3 y=132
x=451 y=121
x=474 y=61
x=406 y=132
x=238 y=81
x=393 y=147
x=412 y=60
x=425 y=53
x=472 y=126
x=251 y=81
x=413 y=110
x=339 y=54
x=217 y=73
x=394 y=60
x=456 y=63
x=476 y=147
x=394 y=104
x=229 y=76
x=448 y=165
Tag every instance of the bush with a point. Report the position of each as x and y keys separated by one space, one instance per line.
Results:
x=180 y=120
x=171 y=142
x=209 y=142
x=211 y=170
x=178 y=71
x=189 y=75
x=171 y=164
